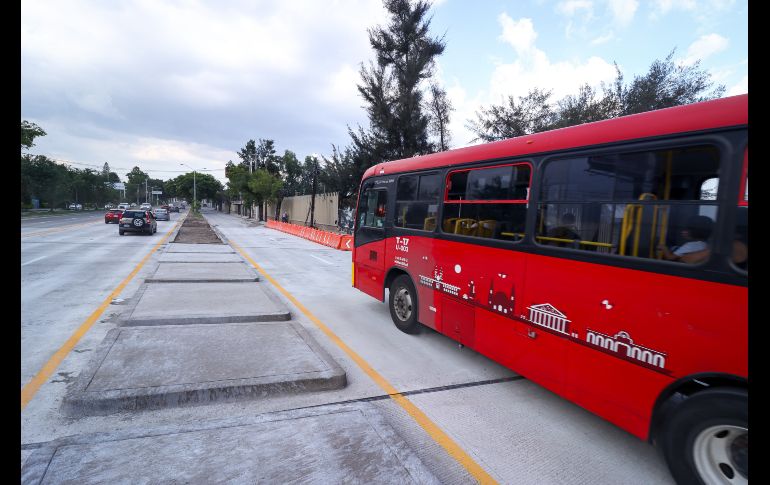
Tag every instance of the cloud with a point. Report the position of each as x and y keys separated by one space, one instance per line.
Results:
x=533 y=68
x=200 y=73
x=569 y=8
x=519 y=34
x=704 y=47
x=741 y=88
x=623 y=11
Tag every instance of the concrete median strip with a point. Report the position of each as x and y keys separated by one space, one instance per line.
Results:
x=349 y=443
x=199 y=248
x=204 y=303
x=202 y=273
x=165 y=366
x=189 y=257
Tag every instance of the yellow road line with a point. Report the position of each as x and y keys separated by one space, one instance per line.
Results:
x=30 y=389
x=438 y=435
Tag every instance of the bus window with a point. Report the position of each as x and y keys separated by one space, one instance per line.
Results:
x=488 y=202
x=657 y=204
x=417 y=201
x=740 y=247
x=372 y=212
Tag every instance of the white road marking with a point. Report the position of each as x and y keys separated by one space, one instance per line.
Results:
x=320 y=259
x=34 y=260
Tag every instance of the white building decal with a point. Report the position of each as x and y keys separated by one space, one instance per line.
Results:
x=437 y=283
x=547 y=316
x=622 y=344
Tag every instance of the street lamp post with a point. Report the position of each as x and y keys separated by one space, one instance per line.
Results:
x=195 y=194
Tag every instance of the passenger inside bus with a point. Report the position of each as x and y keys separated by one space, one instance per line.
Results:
x=695 y=249
x=566 y=230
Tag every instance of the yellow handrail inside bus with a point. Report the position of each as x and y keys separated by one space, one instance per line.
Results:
x=632 y=221
x=449 y=224
x=571 y=241
x=666 y=195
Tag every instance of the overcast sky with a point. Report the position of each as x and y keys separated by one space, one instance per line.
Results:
x=156 y=83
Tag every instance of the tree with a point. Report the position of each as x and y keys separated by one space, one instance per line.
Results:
x=136 y=182
x=439 y=109
x=30 y=131
x=248 y=155
x=533 y=114
x=666 y=84
x=343 y=172
x=405 y=56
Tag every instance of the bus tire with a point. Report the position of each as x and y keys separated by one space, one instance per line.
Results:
x=706 y=438
x=403 y=305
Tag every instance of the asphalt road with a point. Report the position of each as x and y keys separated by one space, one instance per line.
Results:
x=516 y=430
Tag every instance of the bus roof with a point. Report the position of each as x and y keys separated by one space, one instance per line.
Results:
x=718 y=113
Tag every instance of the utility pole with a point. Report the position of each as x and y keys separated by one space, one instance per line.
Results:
x=312 y=198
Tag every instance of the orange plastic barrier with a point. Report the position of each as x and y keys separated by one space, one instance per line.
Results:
x=336 y=241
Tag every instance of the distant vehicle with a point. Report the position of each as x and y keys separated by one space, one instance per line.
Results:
x=138 y=221
x=173 y=208
x=109 y=206
x=146 y=206
x=113 y=215
x=183 y=205
x=133 y=204
x=75 y=207
x=123 y=205
x=161 y=214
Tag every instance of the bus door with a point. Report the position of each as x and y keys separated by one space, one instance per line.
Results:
x=369 y=261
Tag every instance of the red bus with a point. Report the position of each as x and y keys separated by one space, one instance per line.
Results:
x=607 y=262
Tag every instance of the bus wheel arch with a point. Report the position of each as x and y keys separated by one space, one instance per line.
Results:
x=701 y=429
x=402 y=302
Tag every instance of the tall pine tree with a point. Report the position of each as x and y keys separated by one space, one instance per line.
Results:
x=405 y=56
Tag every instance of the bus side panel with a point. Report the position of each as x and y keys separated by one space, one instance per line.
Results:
x=369 y=262
x=413 y=255
x=648 y=330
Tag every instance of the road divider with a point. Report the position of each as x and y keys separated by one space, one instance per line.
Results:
x=342 y=242
x=30 y=388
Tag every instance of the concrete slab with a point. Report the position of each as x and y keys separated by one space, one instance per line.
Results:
x=332 y=444
x=188 y=257
x=205 y=303
x=202 y=272
x=157 y=367
x=199 y=248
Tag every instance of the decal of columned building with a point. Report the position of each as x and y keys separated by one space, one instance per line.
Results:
x=622 y=344
x=547 y=316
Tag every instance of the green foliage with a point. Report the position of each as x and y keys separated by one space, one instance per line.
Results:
x=405 y=56
x=30 y=131
x=666 y=84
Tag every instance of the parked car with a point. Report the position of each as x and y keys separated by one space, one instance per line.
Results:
x=135 y=220
x=75 y=207
x=161 y=214
x=113 y=215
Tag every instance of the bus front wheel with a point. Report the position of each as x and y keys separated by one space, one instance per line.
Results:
x=403 y=305
x=707 y=436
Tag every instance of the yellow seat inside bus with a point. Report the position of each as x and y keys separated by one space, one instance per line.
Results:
x=429 y=224
x=466 y=227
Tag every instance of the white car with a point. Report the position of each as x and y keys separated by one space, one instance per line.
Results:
x=146 y=206
x=75 y=207
x=124 y=206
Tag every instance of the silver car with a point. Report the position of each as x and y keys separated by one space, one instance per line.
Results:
x=161 y=214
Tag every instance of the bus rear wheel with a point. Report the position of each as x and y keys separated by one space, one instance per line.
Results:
x=403 y=305
x=707 y=438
